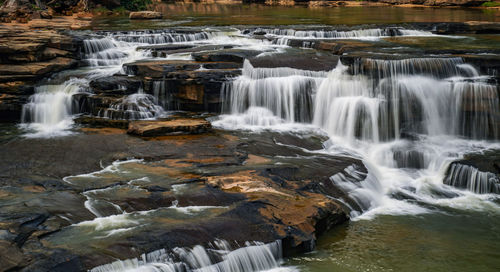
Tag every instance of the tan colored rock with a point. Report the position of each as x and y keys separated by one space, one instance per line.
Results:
x=177 y=126
x=145 y=15
x=37 y=68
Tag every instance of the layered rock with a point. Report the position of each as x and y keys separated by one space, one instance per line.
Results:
x=189 y=85
x=26 y=57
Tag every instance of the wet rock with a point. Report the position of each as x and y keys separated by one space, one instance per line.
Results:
x=230 y=55
x=38 y=69
x=477 y=172
x=10 y=256
x=313 y=61
x=471 y=27
x=176 y=126
x=26 y=56
x=165 y=47
x=145 y=15
x=102 y=122
x=115 y=85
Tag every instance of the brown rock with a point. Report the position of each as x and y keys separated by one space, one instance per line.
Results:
x=177 y=126
x=10 y=256
x=145 y=15
x=37 y=68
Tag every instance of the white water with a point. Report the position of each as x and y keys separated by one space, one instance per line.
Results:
x=217 y=257
x=283 y=36
x=49 y=112
x=407 y=120
x=51 y=109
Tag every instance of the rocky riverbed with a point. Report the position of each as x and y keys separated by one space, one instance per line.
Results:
x=134 y=141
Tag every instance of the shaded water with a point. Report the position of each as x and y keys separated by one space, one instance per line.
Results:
x=450 y=240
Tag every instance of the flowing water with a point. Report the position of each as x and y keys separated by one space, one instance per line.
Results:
x=407 y=118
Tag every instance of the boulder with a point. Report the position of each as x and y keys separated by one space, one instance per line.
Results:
x=145 y=15
x=161 y=128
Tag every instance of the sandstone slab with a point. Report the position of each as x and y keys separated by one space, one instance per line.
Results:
x=145 y=15
x=177 y=126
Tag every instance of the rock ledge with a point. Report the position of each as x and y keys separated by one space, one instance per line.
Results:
x=161 y=128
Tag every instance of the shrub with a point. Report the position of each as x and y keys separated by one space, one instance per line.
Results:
x=491 y=4
x=135 y=5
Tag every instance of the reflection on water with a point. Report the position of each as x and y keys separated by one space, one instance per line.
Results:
x=206 y=14
x=451 y=241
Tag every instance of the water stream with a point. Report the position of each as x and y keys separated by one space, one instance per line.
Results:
x=408 y=119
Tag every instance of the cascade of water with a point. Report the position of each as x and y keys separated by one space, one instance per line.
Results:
x=405 y=118
x=351 y=34
x=134 y=107
x=469 y=177
x=217 y=257
x=286 y=92
x=160 y=37
x=49 y=110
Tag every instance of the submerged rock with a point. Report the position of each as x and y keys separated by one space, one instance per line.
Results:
x=145 y=15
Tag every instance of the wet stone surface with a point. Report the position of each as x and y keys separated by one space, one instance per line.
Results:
x=61 y=209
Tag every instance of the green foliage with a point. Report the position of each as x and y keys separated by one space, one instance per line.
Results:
x=100 y=10
x=135 y=5
x=120 y=10
x=35 y=7
x=491 y=4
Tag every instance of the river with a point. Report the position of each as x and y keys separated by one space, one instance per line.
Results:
x=407 y=101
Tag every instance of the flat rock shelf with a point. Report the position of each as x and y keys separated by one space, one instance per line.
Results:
x=176 y=126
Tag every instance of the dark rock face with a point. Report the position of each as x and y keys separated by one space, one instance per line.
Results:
x=182 y=85
x=115 y=85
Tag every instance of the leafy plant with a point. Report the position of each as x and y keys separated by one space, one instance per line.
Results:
x=120 y=10
x=135 y=5
x=491 y=4
x=100 y=10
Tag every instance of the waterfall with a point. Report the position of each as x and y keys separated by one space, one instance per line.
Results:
x=217 y=256
x=49 y=110
x=285 y=92
x=134 y=107
x=469 y=177
x=407 y=119
x=160 y=37
x=372 y=33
